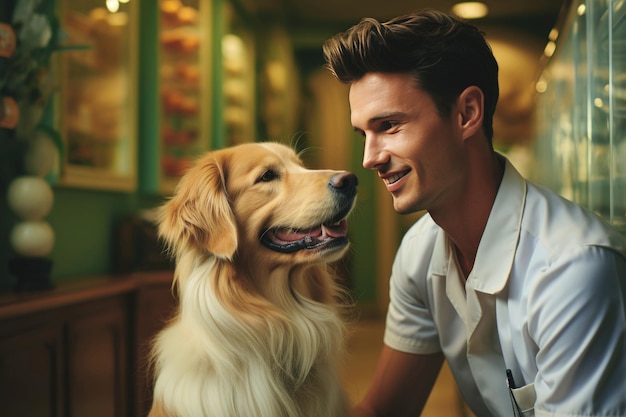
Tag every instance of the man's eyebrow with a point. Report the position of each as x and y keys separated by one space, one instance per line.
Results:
x=386 y=115
x=381 y=116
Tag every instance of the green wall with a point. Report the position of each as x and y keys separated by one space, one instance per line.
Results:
x=85 y=224
x=362 y=227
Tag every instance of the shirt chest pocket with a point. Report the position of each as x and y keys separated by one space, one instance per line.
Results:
x=524 y=399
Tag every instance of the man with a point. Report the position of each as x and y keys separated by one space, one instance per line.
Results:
x=520 y=290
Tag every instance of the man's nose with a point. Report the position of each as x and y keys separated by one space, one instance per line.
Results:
x=373 y=154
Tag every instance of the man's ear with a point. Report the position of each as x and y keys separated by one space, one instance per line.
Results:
x=471 y=104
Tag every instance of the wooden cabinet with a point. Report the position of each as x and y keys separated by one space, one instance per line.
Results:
x=30 y=370
x=154 y=306
x=97 y=358
x=81 y=351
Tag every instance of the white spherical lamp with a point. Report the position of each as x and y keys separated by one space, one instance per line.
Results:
x=32 y=238
x=30 y=197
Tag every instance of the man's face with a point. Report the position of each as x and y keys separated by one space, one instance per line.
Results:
x=418 y=154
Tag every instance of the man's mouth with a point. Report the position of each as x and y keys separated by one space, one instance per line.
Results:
x=288 y=240
x=392 y=179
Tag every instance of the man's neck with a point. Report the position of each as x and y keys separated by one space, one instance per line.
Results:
x=465 y=217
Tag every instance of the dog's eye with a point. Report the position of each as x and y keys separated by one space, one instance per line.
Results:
x=267 y=176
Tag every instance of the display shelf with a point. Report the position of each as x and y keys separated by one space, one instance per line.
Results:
x=176 y=103
x=581 y=109
x=183 y=65
x=98 y=102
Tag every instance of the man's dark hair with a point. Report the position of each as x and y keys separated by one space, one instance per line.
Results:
x=444 y=54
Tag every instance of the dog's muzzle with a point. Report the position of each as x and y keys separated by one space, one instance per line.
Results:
x=331 y=233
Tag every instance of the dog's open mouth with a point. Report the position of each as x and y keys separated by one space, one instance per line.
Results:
x=287 y=240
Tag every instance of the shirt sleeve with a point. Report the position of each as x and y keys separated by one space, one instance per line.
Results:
x=410 y=327
x=578 y=321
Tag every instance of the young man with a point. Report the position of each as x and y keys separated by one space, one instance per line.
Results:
x=503 y=279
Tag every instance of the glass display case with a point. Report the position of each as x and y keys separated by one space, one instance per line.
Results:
x=238 y=78
x=184 y=65
x=580 y=146
x=98 y=101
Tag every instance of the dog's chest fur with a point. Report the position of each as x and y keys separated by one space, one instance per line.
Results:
x=262 y=361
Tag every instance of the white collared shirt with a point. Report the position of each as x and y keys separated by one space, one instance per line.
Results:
x=545 y=299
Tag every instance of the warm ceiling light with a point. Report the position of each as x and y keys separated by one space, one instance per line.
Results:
x=549 y=49
x=541 y=86
x=470 y=9
x=554 y=34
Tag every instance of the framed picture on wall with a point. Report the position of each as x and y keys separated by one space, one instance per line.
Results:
x=97 y=107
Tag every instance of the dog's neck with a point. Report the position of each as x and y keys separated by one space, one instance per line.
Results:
x=310 y=282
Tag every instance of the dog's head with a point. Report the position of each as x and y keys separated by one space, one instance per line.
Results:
x=257 y=202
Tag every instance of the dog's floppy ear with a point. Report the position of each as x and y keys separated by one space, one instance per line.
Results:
x=199 y=215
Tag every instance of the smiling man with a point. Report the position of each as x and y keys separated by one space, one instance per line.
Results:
x=519 y=290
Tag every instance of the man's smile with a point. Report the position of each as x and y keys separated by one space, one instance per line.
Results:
x=393 y=178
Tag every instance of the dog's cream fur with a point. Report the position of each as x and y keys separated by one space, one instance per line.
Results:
x=258 y=332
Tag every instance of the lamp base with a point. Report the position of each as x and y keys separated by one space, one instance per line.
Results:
x=32 y=274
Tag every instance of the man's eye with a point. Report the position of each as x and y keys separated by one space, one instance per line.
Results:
x=387 y=125
x=267 y=176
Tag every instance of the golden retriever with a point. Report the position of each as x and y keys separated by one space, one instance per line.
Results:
x=259 y=329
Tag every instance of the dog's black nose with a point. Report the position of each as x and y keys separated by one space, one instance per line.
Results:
x=344 y=182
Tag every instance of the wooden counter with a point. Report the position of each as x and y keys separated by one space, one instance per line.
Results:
x=81 y=348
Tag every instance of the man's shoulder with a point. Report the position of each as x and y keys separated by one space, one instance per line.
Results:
x=559 y=222
x=420 y=240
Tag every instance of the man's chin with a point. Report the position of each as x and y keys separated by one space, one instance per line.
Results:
x=401 y=207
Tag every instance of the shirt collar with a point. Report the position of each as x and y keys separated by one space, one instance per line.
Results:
x=440 y=257
x=496 y=251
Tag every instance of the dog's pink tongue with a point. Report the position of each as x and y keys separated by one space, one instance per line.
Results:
x=287 y=235
x=323 y=232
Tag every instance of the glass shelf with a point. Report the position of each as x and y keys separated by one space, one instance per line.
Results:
x=581 y=110
x=98 y=102
x=183 y=65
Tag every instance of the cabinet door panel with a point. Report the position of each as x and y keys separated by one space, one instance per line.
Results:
x=155 y=305
x=30 y=379
x=97 y=358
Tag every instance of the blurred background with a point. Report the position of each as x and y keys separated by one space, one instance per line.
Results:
x=104 y=103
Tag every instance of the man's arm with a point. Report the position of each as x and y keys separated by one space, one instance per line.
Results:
x=577 y=320
x=401 y=384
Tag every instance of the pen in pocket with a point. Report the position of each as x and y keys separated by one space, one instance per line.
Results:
x=511 y=383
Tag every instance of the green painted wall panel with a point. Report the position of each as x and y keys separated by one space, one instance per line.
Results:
x=362 y=255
